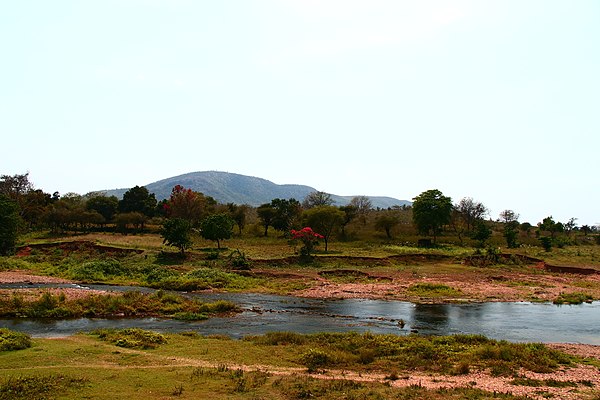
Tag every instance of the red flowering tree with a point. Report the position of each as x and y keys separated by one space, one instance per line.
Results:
x=309 y=239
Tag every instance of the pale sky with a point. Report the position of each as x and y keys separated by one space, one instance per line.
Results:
x=496 y=100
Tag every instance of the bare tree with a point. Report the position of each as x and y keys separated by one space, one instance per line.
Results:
x=317 y=199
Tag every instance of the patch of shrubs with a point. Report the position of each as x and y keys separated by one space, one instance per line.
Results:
x=36 y=387
x=132 y=338
x=11 y=340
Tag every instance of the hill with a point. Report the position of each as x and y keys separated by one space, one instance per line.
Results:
x=228 y=187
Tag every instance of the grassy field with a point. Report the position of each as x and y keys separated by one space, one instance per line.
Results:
x=276 y=366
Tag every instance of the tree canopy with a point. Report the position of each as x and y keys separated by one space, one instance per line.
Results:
x=431 y=211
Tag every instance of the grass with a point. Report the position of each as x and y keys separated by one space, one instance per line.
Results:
x=128 y=304
x=132 y=363
x=428 y=290
x=573 y=298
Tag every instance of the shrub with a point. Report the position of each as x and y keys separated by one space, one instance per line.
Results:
x=11 y=340
x=314 y=359
x=131 y=337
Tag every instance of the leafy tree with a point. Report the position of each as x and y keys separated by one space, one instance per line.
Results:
x=317 y=199
x=548 y=225
x=481 y=232
x=34 y=206
x=217 y=227
x=188 y=204
x=386 y=221
x=9 y=225
x=138 y=199
x=324 y=219
x=238 y=214
x=570 y=225
x=177 y=232
x=124 y=220
x=105 y=206
x=511 y=233
x=286 y=213
x=431 y=211
x=511 y=227
x=266 y=214
x=15 y=186
x=349 y=214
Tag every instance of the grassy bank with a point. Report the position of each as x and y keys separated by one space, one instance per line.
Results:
x=135 y=364
x=128 y=304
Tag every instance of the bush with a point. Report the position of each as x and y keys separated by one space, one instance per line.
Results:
x=314 y=359
x=11 y=340
x=131 y=337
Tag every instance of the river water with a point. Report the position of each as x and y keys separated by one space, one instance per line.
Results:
x=516 y=321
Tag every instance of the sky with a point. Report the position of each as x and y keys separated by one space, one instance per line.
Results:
x=497 y=100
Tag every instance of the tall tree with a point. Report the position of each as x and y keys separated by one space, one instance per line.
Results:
x=465 y=215
x=138 y=199
x=187 y=204
x=266 y=213
x=9 y=225
x=238 y=214
x=287 y=213
x=107 y=206
x=323 y=219
x=177 y=232
x=217 y=227
x=431 y=211
x=386 y=221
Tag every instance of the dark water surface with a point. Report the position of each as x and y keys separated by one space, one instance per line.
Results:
x=522 y=321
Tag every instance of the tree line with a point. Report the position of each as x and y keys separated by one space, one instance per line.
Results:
x=186 y=212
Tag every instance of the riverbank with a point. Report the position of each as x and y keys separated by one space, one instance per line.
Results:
x=286 y=366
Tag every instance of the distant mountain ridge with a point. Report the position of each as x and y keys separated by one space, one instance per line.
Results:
x=228 y=187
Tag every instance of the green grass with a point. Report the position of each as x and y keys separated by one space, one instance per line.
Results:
x=433 y=290
x=132 y=363
x=133 y=303
x=573 y=298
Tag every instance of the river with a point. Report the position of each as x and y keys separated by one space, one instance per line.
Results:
x=515 y=321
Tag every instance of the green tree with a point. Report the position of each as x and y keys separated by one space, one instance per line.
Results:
x=287 y=212
x=177 y=232
x=9 y=225
x=350 y=213
x=386 y=221
x=238 y=214
x=217 y=227
x=266 y=214
x=481 y=232
x=105 y=206
x=324 y=219
x=511 y=227
x=138 y=199
x=431 y=211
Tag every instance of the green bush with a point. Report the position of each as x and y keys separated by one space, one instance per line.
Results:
x=573 y=298
x=314 y=359
x=131 y=337
x=11 y=340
